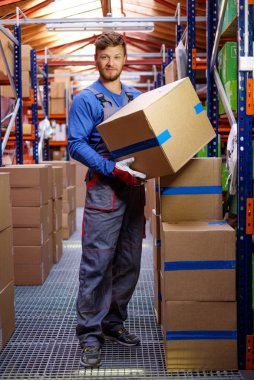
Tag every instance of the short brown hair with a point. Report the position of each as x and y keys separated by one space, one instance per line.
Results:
x=109 y=39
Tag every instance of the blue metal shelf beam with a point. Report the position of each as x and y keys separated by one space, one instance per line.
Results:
x=18 y=85
x=212 y=92
x=244 y=191
x=191 y=40
x=34 y=105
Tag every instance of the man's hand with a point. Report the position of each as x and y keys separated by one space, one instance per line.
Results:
x=123 y=171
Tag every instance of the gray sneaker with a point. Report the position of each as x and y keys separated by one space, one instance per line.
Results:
x=123 y=337
x=91 y=356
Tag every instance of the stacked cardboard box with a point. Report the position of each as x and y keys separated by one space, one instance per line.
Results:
x=81 y=171
x=25 y=65
x=7 y=310
x=57 y=97
x=57 y=213
x=197 y=277
x=31 y=222
x=69 y=196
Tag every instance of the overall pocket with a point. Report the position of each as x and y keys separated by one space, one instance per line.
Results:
x=100 y=194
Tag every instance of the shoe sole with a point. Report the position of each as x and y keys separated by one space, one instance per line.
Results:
x=86 y=365
x=122 y=343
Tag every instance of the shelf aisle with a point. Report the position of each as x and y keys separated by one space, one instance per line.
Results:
x=44 y=345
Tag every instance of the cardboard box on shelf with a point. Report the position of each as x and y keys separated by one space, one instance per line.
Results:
x=57 y=214
x=26 y=175
x=6 y=257
x=8 y=91
x=200 y=336
x=7 y=314
x=69 y=224
x=5 y=201
x=57 y=106
x=227 y=62
x=57 y=245
x=198 y=261
x=194 y=193
x=25 y=56
x=9 y=55
x=30 y=274
x=31 y=254
x=171 y=72
x=31 y=236
x=57 y=90
x=160 y=144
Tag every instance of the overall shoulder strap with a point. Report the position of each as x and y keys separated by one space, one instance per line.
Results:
x=100 y=96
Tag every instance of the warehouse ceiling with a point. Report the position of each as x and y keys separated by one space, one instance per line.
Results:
x=82 y=42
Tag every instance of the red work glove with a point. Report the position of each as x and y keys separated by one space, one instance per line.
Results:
x=123 y=172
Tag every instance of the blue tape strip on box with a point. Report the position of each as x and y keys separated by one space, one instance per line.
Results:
x=217 y=222
x=199 y=265
x=198 y=108
x=191 y=190
x=143 y=145
x=201 y=335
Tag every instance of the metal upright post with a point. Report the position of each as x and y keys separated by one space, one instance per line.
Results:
x=244 y=185
x=212 y=92
x=46 y=152
x=169 y=57
x=34 y=105
x=191 y=40
x=18 y=85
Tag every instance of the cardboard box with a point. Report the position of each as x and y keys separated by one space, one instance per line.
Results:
x=157 y=296
x=163 y=129
x=69 y=224
x=231 y=92
x=198 y=261
x=5 y=201
x=27 y=175
x=73 y=173
x=30 y=196
x=8 y=91
x=57 y=245
x=69 y=199
x=57 y=214
x=57 y=182
x=80 y=195
x=194 y=193
x=6 y=257
x=30 y=274
x=31 y=255
x=9 y=54
x=155 y=223
x=57 y=90
x=30 y=236
x=30 y=216
x=150 y=198
x=57 y=106
x=26 y=57
x=201 y=336
x=171 y=72
x=227 y=62
x=156 y=254
x=7 y=314
x=66 y=172
x=51 y=216
x=50 y=261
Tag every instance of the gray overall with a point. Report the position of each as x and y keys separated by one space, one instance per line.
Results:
x=112 y=233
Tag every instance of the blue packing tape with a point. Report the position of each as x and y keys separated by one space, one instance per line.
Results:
x=198 y=265
x=201 y=335
x=217 y=222
x=198 y=108
x=158 y=243
x=191 y=190
x=143 y=145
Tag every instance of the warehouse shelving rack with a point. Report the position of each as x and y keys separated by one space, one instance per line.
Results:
x=244 y=154
x=17 y=87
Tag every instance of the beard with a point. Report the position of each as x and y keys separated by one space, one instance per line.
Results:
x=111 y=77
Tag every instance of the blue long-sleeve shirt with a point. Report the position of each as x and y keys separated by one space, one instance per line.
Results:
x=85 y=114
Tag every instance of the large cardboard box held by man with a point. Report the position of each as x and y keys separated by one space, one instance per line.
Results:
x=163 y=129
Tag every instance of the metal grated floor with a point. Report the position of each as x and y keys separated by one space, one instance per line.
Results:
x=44 y=345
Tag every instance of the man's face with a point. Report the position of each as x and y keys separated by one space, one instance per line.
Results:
x=110 y=62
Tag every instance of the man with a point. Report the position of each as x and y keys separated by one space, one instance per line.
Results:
x=113 y=217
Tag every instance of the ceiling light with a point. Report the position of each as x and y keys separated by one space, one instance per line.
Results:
x=102 y=26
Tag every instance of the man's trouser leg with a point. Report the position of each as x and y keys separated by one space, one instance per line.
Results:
x=101 y=228
x=126 y=264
